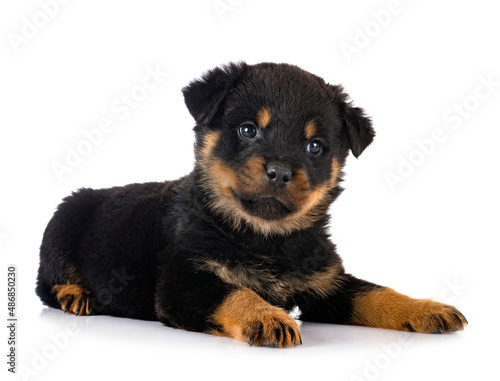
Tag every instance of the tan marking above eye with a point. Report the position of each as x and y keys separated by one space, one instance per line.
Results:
x=310 y=130
x=263 y=117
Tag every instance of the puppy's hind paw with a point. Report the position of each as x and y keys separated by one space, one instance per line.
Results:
x=73 y=299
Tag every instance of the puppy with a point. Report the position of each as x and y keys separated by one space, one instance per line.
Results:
x=232 y=247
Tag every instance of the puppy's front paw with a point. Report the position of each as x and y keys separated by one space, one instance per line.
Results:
x=274 y=329
x=386 y=308
x=245 y=316
x=429 y=316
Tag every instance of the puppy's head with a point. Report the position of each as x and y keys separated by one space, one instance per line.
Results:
x=271 y=140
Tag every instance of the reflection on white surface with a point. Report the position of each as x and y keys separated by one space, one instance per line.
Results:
x=103 y=346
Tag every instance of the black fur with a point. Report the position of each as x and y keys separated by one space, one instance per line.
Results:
x=152 y=251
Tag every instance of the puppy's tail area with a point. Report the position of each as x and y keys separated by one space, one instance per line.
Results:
x=58 y=281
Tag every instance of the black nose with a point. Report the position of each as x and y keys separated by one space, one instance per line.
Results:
x=279 y=174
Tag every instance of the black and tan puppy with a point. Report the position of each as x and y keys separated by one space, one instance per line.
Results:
x=233 y=246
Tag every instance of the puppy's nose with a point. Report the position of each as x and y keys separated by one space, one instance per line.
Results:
x=279 y=174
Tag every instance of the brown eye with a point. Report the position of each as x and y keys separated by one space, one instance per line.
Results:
x=248 y=130
x=315 y=147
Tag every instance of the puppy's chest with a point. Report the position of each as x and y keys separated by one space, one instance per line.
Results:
x=278 y=284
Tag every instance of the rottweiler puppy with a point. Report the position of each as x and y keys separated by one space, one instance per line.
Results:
x=232 y=247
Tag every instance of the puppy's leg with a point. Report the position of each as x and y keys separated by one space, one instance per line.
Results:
x=362 y=303
x=200 y=301
x=245 y=316
x=386 y=308
x=58 y=283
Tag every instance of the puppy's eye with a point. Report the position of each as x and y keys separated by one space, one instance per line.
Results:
x=315 y=147
x=248 y=130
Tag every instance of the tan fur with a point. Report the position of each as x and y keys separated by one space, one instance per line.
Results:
x=204 y=156
x=74 y=294
x=243 y=312
x=225 y=177
x=265 y=282
x=335 y=172
x=252 y=178
x=263 y=117
x=310 y=130
x=386 y=308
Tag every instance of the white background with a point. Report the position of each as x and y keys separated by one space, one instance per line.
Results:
x=431 y=235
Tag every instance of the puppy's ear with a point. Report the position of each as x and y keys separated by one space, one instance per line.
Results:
x=203 y=96
x=358 y=126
